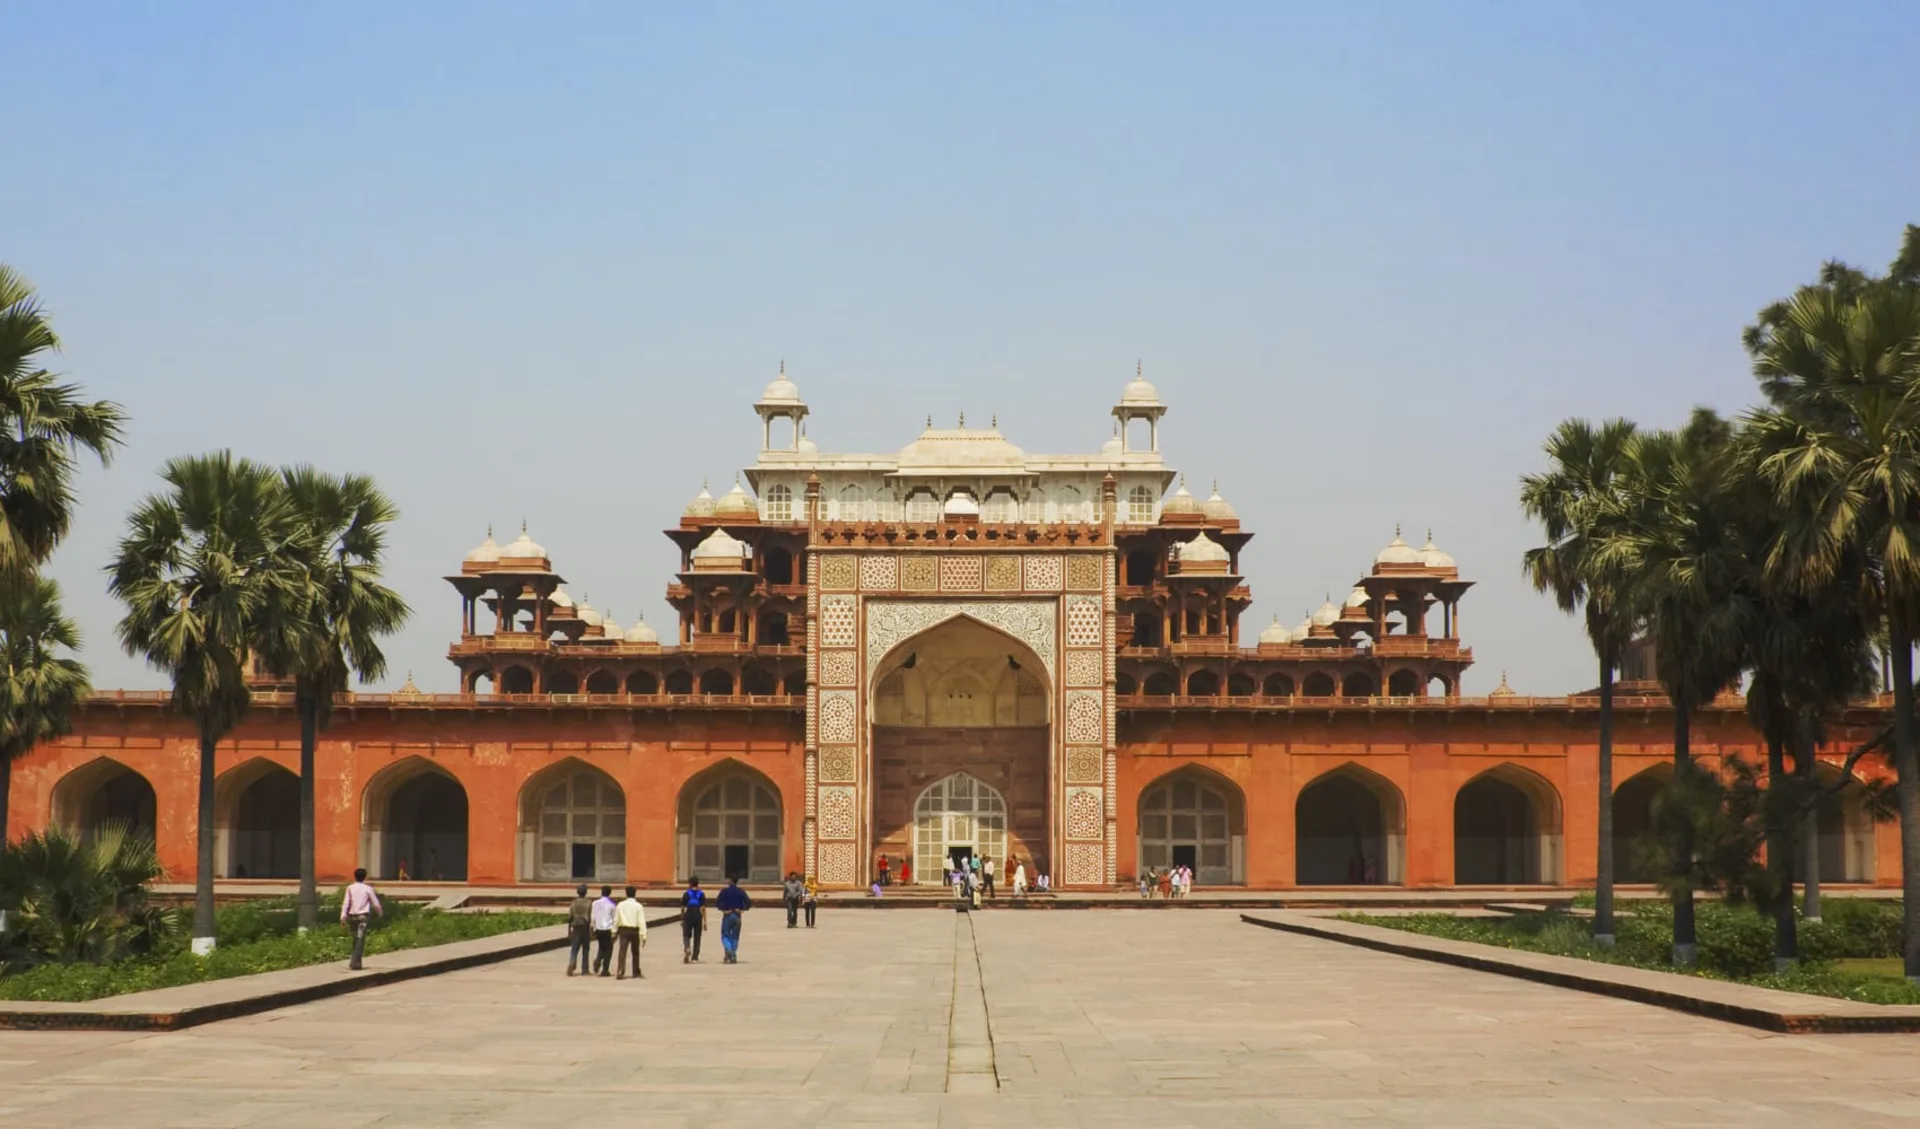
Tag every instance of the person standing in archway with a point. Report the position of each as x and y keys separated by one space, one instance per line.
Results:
x=734 y=903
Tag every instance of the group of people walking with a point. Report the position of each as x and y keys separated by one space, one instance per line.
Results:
x=800 y=895
x=1173 y=882
x=601 y=922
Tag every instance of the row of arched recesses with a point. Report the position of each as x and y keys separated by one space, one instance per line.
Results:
x=1318 y=684
x=713 y=681
x=1843 y=826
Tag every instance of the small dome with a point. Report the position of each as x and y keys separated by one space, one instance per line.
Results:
x=609 y=628
x=1140 y=391
x=588 y=615
x=1275 y=633
x=701 y=506
x=806 y=446
x=1180 y=502
x=1325 y=615
x=736 y=503
x=1305 y=629
x=961 y=504
x=1357 y=598
x=719 y=545
x=1431 y=555
x=1218 y=508
x=487 y=552
x=523 y=547
x=641 y=633
x=409 y=690
x=781 y=390
x=1398 y=553
x=560 y=599
x=1203 y=549
x=1503 y=690
x=1111 y=446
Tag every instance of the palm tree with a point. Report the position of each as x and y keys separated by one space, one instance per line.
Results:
x=202 y=565
x=44 y=426
x=1580 y=503
x=41 y=684
x=334 y=627
x=1840 y=451
x=1682 y=548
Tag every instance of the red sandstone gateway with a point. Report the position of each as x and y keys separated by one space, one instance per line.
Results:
x=956 y=650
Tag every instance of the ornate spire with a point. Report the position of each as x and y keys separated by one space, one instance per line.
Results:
x=963 y=419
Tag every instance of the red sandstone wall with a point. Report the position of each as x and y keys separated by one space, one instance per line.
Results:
x=908 y=759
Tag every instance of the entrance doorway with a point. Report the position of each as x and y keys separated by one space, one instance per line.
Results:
x=1187 y=855
x=738 y=860
x=583 y=860
x=954 y=820
x=957 y=858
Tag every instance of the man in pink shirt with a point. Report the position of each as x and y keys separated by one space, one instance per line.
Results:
x=357 y=906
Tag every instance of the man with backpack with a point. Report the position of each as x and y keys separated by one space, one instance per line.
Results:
x=693 y=920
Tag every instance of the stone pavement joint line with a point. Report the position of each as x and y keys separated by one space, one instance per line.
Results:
x=1790 y=1013
x=970 y=1066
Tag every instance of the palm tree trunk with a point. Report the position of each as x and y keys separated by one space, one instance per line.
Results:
x=1603 y=867
x=203 y=939
x=1786 y=940
x=1809 y=831
x=6 y=798
x=1907 y=786
x=1686 y=949
x=309 y=903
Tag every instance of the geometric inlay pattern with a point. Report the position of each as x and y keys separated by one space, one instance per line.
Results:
x=1083 y=572
x=836 y=621
x=836 y=571
x=1086 y=764
x=836 y=864
x=961 y=573
x=836 y=811
x=1085 y=724
x=1086 y=814
x=1084 y=668
x=1003 y=574
x=1084 y=621
x=836 y=717
x=1085 y=864
x=837 y=764
x=916 y=573
x=837 y=668
x=890 y=622
x=1043 y=574
x=879 y=572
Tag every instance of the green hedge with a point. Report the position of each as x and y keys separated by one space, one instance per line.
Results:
x=261 y=936
x=1736 y=943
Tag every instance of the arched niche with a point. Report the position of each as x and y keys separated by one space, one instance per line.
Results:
x=414 y=817
x=1506 y=829
x=256 y=821
x=1350 y=830
x=1633 y=825
x=573 y=825
x=104 y=792
x=961 y=673
x=1196 y=818
x=729 y=823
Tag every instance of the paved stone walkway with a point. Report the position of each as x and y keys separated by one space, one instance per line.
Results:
x=1096 y=1018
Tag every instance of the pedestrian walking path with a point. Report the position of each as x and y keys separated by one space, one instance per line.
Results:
x=1094 y=1019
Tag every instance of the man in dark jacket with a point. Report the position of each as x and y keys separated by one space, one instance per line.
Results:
x=793 y=892
x=734 y=904
x=579 y=930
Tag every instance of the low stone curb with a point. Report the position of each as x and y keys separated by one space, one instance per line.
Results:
x=1765 y=1008
x=103 y=1015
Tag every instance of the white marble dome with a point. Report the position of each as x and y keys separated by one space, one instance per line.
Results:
x=736 y=503
x=1180 y=502
x=641 y=633
x=560 y=599
x=1203 y=550
x=1218 y=508
x=1305 y=629
x=486 y=552
x=523 y=547
x=720 y=546
x=1357 y=598
x=1325 y=615
x=588 y=614
x=1112 y=446
x=1275 y=632
x=701 y=506
x=781 y=390
x=1398 y=553
x=1140 y=391
x=1432 y=557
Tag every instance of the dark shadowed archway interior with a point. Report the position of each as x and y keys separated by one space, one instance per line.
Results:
x=425 y=830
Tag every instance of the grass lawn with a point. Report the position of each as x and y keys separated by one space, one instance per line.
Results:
x=260 y=936
x=1844 y=957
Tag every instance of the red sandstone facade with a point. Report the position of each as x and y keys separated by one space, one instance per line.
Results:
x=958 y=647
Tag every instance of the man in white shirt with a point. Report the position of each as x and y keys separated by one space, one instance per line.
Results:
x=357 y=906
x=630 y=924
x=603 y=911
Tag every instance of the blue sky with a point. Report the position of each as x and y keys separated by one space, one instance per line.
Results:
x=536 y=262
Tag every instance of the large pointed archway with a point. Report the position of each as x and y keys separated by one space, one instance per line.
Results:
x=1195 y=818
x=729 y=825
x=573 y=825
x=414 y=822
x=960 y=707
x=104 y=793
x=256 y=821
x=1506 y=829
x=1635 y=855
x=1350 y=830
